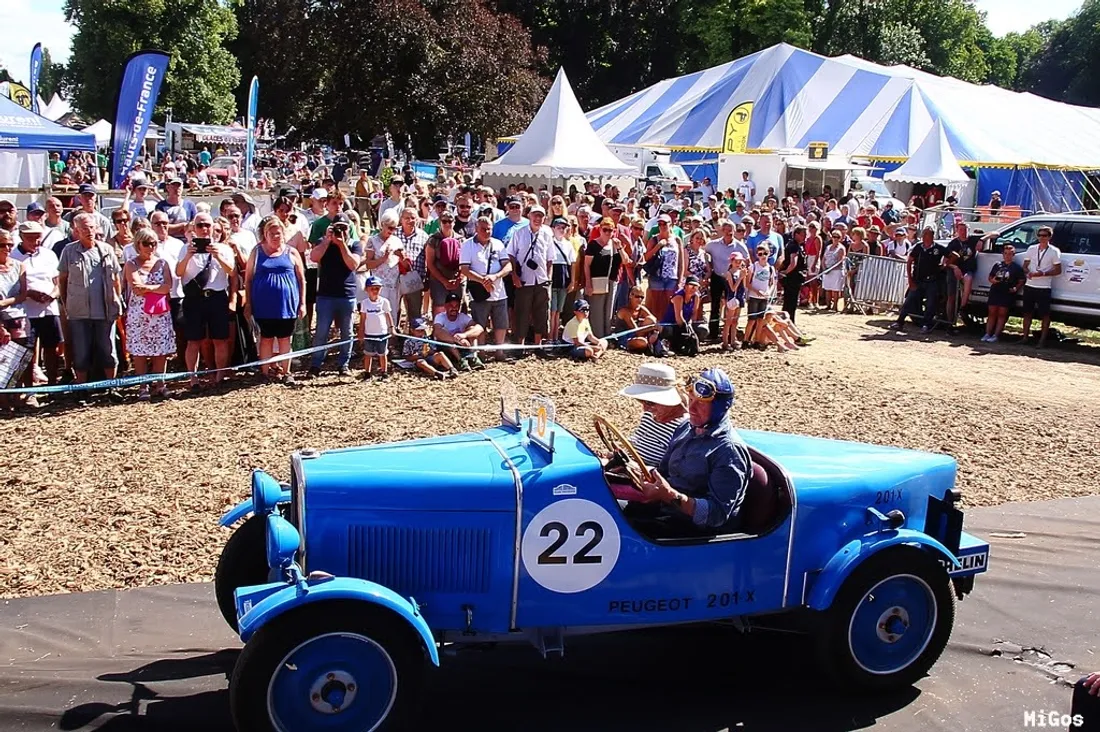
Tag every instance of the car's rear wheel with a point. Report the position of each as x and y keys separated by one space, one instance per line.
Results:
x=243 y=562
x=889 y=622
x=339 y=666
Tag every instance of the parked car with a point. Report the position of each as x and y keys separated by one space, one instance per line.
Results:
x=1076 y=291
x=345 y=583
x=224 y=167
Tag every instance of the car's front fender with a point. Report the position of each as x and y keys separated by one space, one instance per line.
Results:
x=263 y=603
x=236 y=513
x=828 y=581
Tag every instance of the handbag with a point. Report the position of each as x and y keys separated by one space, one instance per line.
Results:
x=562 y=275
x=600 y=285
x=478 y=292
x=155 y=304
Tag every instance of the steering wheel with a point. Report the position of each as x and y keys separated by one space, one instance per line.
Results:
x=634 y=465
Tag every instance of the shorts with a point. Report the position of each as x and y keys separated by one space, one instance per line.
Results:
x=663 y=284
x=532 y=309
x=176 y=305
x=276 y=327
x=557 y=299
x=206 y=316
x=17 y=327
x=1037 y=301
x=45 y=330
x=579 y=353
x=495 y=311
x=375 y=345
x=736 y=300
x=757 y=305
x=439 y=292
x=1001 y=298
x=312 y=273
x=93 y=341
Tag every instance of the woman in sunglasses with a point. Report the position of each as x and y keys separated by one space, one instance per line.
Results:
x=762 y=278
x=700 y=484
x=635 y=316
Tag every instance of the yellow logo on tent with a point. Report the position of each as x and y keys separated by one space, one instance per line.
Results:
x=737 y=129
x=19 y=94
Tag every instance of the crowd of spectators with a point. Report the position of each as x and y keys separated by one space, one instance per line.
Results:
x=429 y=272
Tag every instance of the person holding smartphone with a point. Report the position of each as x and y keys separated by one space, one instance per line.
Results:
x=205 y=269
x=337 y=256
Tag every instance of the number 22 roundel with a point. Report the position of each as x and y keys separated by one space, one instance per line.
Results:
x=570 y=546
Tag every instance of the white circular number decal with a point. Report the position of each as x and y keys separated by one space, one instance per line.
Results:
x=571 y=545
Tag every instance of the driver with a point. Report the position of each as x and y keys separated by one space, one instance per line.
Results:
x=704 y=474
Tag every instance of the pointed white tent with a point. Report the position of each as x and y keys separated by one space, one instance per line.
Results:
x=933 y=162
x=102 y=131
x=56 y=109
x=559 y=143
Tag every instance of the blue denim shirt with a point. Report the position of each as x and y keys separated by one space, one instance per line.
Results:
x=713 y=468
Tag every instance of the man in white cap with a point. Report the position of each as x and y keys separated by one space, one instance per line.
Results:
x=662 y=410
x=529 y=251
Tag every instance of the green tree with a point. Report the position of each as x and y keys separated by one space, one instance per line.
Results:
x=428 y=69
x=1065 y=68
x=51 y=77
x=202 y=74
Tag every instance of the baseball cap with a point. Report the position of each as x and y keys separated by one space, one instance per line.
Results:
x=664 y=219
x=420 y=324
x=559 y=221
x=692 y=280
x=453 y=297
x=244 y=197
x=288 y=192
x=397 y=181
x=372 y=281
x=86 y=188
x=582 y=305
x=319 y=194
x=34 y=207
x=513 y=201
x=617 y=206
x=440 y=198
x=446 y=215
x=173 y=180
x=536 y=209
x=30 y=227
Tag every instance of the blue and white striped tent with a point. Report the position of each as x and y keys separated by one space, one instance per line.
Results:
x=858 y=108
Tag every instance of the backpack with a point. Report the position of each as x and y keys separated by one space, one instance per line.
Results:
x=448 y=252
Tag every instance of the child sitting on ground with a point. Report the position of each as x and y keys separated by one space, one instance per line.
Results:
x=427 y=357
x=376 y=312
x=578 y=334
x=735 y=300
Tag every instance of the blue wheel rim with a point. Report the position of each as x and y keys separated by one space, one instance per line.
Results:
x=892 y=624
x=336 y=681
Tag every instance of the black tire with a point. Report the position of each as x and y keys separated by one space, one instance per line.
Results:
x=267 y=649
x=243 y=562
x=834 y=646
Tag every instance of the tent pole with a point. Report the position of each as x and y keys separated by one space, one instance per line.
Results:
x=1034 y=198
x=1069 y=186
x=1095 y=192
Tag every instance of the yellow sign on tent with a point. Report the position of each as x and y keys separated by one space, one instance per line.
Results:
x=737 y=129
x=19 y=94
x=818 y=151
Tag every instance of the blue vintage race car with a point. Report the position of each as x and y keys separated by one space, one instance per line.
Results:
x=345 y=584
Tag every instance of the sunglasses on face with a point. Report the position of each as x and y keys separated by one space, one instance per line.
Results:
x=1044 y=236
x=762 y=251
x=635 y=294
x=203 y=226
x=147 y=245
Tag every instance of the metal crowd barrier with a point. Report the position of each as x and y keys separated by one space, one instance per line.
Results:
x=875 y=282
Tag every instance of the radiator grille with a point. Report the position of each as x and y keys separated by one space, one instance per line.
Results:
x=411 y=561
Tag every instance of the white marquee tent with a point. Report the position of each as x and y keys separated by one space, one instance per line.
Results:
x=559 y=143
x=933 y=162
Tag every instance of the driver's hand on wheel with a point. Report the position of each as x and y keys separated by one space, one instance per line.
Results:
x=658 y=490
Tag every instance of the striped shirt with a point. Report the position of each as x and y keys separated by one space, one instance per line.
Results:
x=651 y=438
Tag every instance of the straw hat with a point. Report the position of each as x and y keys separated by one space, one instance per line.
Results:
x=656 y=383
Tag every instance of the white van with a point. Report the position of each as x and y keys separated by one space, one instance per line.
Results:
x=1075 y=296
x=654 y=167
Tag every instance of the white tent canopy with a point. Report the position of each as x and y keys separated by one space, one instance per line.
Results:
x=559 y=143
x=102 y=131
x=932 y=162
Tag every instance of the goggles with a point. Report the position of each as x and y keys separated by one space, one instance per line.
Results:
x=703 y=389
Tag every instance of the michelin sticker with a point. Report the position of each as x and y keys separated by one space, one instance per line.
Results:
x=1077 y=271
x=570 y=546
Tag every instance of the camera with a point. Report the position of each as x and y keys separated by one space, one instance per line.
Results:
x=201 y=245
x=340 y=229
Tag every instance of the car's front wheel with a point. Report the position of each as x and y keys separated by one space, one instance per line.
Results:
x=889 y=622
x=243 y=562
x=338 y=666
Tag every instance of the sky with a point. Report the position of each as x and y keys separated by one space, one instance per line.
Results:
x=1004 y=16
x=31 y=21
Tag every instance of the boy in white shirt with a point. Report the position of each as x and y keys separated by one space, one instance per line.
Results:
x=376 y=325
